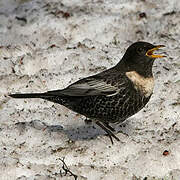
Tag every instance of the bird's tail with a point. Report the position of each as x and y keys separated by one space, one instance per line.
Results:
x=29 y=95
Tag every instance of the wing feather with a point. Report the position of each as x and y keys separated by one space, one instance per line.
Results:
x=88 y=87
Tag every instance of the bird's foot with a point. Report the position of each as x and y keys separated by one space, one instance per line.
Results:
x=109 y=130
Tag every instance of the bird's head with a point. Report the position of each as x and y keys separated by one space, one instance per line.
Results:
x=140 y=56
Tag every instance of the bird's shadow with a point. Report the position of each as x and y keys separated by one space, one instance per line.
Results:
x=92 y=131
x=83 y=132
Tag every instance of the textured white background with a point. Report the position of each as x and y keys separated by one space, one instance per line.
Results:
x=54 y=43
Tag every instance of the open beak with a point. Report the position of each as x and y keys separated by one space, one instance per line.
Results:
x=149 y=53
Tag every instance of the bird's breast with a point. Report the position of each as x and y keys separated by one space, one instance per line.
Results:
x=143 y=84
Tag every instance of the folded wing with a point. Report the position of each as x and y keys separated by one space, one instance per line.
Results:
x=88 y=87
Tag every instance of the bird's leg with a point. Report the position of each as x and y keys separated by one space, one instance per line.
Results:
x=109 y=132
x=109 y=127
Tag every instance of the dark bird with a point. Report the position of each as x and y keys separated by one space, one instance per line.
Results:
x=112 y=95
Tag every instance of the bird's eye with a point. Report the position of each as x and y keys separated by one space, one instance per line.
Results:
x=140 y=50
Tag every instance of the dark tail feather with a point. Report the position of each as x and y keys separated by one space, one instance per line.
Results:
x=30 y=95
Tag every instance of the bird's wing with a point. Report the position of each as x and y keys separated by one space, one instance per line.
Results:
x=90 y=86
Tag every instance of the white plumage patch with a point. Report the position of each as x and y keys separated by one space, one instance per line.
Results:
x=145 y=85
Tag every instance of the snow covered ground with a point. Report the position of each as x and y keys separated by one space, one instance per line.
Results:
x=46 y=45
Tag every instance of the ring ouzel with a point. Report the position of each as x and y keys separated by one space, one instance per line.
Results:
x=112 y=95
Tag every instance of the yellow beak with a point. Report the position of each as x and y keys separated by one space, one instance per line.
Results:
x=149 y=53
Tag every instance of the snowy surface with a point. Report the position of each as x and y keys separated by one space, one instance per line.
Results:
x=47 y=45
